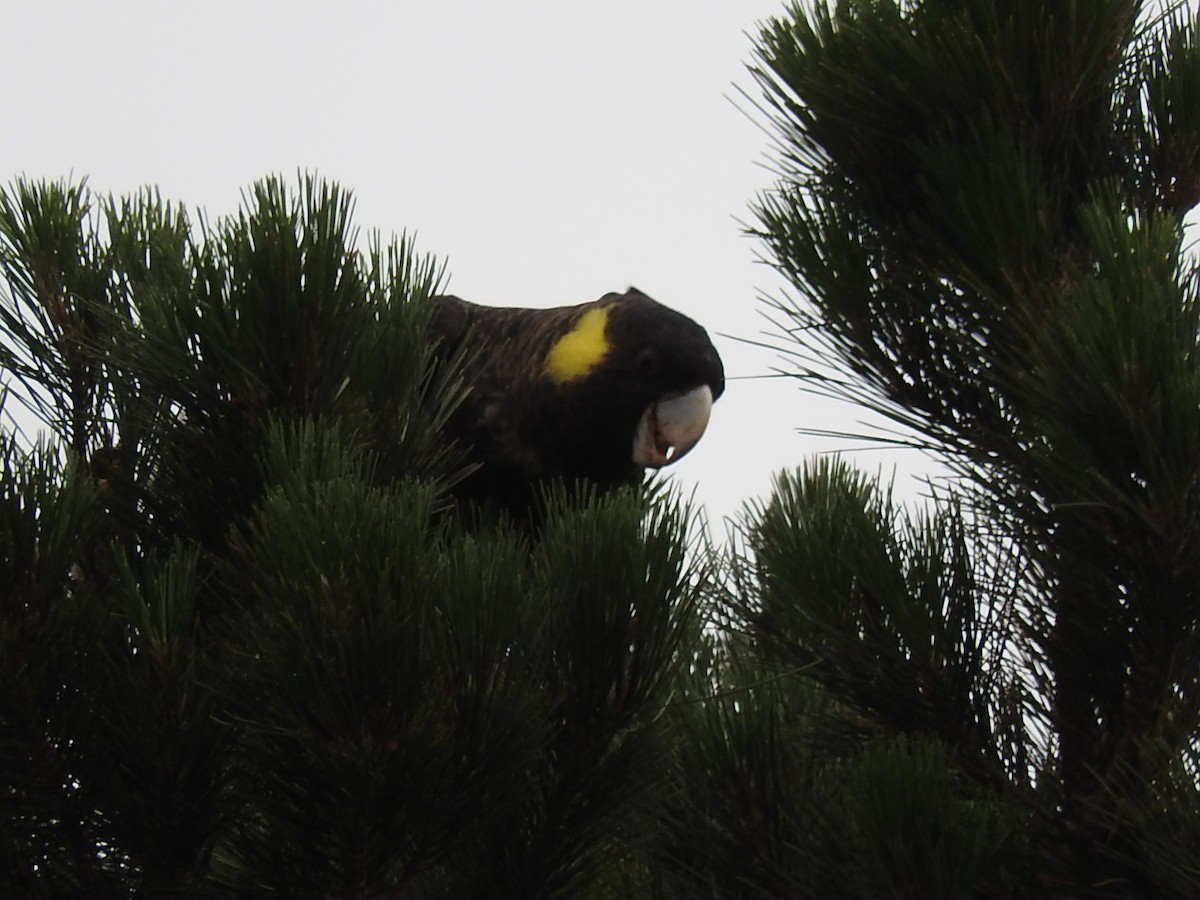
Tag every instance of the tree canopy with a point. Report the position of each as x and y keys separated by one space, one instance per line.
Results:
x=251 y=646
x=980 y=211
x=248 y=646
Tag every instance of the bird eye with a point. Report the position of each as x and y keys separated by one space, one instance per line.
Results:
x=647 y=361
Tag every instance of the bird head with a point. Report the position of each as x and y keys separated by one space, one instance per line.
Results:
x=642 y=377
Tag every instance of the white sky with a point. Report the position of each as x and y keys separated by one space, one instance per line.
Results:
x=549 y=151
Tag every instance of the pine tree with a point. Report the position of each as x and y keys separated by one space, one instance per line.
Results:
x=980 y=213
x=248 y=647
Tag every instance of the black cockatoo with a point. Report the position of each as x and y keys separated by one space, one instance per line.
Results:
x=597 y=392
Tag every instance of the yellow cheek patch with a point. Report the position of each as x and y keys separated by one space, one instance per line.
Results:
x=581 y=349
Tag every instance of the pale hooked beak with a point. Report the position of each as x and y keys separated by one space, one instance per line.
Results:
x=670 y=428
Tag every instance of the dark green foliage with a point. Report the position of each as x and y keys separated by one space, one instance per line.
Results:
x=46 y=651
x=856 y=745
x=891 y=621
x=980 y=210
x=247 y=647
x=747 y=769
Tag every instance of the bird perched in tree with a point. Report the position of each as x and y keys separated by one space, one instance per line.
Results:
x=597 y=392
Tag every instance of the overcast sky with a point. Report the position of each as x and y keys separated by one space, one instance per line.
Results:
x=550 y=152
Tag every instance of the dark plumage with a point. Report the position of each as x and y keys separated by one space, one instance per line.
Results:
x=597 y=392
